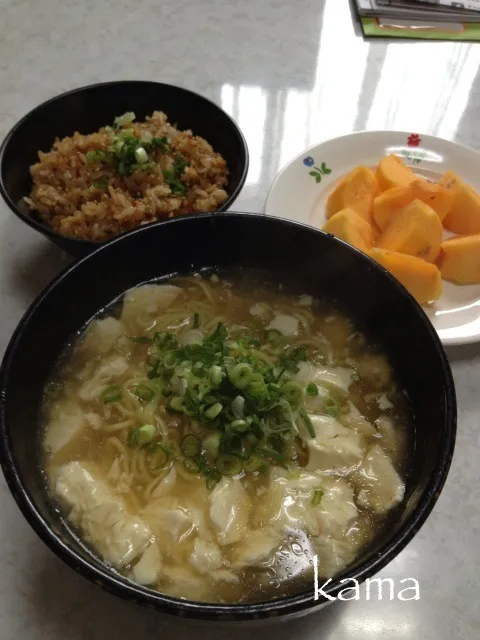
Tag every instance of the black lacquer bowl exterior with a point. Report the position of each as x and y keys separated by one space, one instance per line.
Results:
x=323 y=266
x=86 y=110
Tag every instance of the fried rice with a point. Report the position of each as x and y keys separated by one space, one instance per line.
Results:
x=94 y=201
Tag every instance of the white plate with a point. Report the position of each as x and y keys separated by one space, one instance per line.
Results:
x=301 y=190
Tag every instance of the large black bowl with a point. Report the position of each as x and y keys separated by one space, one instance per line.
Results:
x=322 y=266
x=86 y=110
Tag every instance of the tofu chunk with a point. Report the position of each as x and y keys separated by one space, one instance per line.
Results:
x=355 y=421
x=333 y=554
x=183 y=582
x=101 y=514
x=381 y=488
x=148 y=568
x=143 y=304
x=206 y=556
x=229 y=510
x=286 y=325
x=339 y=378
x=384 y=403
x=257 y=547
x=225 y=575
x=63 y=429
x=392 y=438
x=166 y=484
x=283 y=504
x=103 y=334
x=260 y=309
x=336 y=510
x=335 y=448
x=168 y=519
x=107 y=373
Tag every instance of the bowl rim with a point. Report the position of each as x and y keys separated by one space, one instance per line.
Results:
x=297 y=604
x=88 y=244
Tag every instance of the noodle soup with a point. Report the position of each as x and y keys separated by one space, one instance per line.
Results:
x=210 y=436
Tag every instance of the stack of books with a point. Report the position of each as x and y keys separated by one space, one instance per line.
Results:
x=424 y=19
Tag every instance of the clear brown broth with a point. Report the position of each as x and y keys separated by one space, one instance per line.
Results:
x=290 y=569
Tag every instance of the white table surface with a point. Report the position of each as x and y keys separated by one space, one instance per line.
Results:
x=291 y=73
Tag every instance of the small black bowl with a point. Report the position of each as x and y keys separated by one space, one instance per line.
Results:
x=86 y=110
x=322 y=266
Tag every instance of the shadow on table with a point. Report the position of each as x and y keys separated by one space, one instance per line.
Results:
x=463 y=352
x=66 y=606
x=33 y=263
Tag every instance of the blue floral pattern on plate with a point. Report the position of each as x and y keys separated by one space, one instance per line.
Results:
x=317 y=172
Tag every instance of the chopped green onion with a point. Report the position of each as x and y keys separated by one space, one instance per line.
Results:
x=249 y=404
x=331 y=407
x=172 y=175
x=196 y=321
x=190 y=446
x=146 y=434
x=161 y=143
x=140 y=339
x=240 y=426
x=100 y=184
x=292 y=357
x=212 y=412
x=241 y=375
x=255 y=463
x=211 y=445
x=355 y=377
x=308 y=423
x=234 y=444
x=238 y=406
x=160 y=455
x=146 y=136
x=133 y=437
x=142 y=392
x=111 y=394
x=153 y=373
x=216 y=375
x=268 y=452
x=170 y=361
x=96 y=156
x=190 y=465
x=251 y=438
x=293 y=392
x=141 y=155
x=128 y=135
x=126 y=118
x=176 y=403
x=219 y=335
x=283 y=427
x=212 y=479
x=228 y=465
x=256 y=385
x=317 y=497
x=159 y=384
x=177 y=187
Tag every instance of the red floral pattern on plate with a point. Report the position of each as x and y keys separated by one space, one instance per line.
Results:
x=414 y=140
